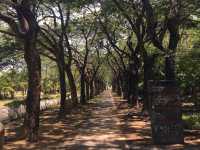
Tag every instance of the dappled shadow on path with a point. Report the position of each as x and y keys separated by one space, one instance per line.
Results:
x=105 y=123
x=94 y=126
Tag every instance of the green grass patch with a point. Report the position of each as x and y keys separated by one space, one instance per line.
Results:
x=9 y=102
x=15 y=103
x=191 y=121
x=50 y=96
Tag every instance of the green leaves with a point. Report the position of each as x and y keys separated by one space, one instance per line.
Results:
x=188 y=69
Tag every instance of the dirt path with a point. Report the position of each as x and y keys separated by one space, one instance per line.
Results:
x=103 y=124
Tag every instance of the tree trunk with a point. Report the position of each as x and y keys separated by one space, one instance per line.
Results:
x=133 y=85
x=32 y=59
x=96 y=87
x=72 y=85
x=170 y=68
x=82 y=96
x=63 y=89
x=113 y=85
x=119 y=92
x=91 y=90
x=125 y=87
x=148 y=75
x=33 y=62
x=134 y=76
x=173 y=28
x=87 y=86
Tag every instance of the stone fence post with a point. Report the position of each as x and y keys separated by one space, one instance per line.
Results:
x=166 y=122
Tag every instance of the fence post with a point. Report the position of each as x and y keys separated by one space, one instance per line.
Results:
x=166 y=122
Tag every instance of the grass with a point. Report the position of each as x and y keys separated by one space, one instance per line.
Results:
x=5 y=102
x=50 y=96
x=18 y=97
x=191 y=121
x=15 y=103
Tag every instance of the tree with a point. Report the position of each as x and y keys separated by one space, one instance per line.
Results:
x=59 y=46
x=86 y=30
x=175 y=13
x=27 y=31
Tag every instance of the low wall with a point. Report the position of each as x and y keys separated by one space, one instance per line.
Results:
x=10 y=113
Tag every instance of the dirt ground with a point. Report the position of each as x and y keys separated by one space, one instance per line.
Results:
x=105 y=123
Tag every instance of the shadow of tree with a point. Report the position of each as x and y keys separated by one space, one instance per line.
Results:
x=99 y=125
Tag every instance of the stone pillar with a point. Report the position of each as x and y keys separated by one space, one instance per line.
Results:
x=166 y=116
x=1 y=136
